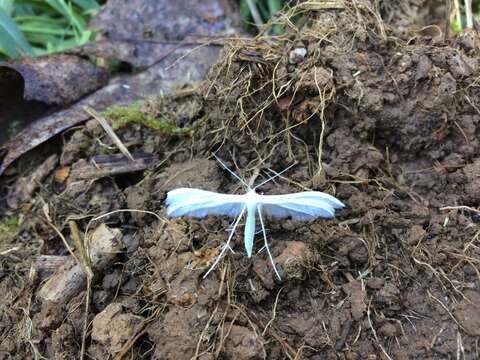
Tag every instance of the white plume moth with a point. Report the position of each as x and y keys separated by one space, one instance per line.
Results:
x=306 y=205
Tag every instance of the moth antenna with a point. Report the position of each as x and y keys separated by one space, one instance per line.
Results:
x=231 y=172
x=275 y=176
x=227 y=244
x=266 y=243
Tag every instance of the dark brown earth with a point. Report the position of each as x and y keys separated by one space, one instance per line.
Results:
x=393 y=276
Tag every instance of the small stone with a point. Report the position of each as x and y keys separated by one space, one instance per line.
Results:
x=297 y=55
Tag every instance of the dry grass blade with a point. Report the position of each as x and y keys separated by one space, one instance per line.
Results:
x=60 y=235
x=274 y=313
x=108 y=129
x=321 y=5
x=85 y=258
x=460 y=207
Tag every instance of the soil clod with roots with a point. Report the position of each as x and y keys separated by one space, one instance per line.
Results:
x=387 y=125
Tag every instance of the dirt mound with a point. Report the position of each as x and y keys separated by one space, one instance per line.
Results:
x=387 y=126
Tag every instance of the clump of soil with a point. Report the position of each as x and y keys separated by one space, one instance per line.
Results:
x=389 y=127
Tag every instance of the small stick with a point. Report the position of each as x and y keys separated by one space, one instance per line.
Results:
x=108 y=129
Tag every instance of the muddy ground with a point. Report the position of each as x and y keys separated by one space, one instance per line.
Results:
x=387 y=124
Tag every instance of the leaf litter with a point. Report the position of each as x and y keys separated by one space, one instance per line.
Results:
x=389 y=126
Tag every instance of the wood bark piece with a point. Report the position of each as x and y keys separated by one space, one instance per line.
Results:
x=71 y=278
x=111 y=165
x=46 y=265
x=27 y=185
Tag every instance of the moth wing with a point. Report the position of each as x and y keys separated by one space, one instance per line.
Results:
x=200 y=203
x=306 y=205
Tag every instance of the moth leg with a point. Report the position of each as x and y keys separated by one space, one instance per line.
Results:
x=266 y=242
x=229 y=229
x=227 y=244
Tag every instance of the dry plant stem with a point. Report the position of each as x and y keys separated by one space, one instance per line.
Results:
x=108 y=129
x=60 y=235
x=197 y=349
x=459 y=207
x=274 y=312
x=323 y=101
x=71 y=278
x=79 y=245
x=321 y=5
x=86 y=264
x=447 y=310
x=468 y=13
x=85 y=323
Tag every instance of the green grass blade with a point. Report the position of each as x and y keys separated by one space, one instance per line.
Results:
x=275 y=6
x=12 y=41
x=67 y=11
x=87 y=5
x=44 y=30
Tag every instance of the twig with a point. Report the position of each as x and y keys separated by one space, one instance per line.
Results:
x=108 y=129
